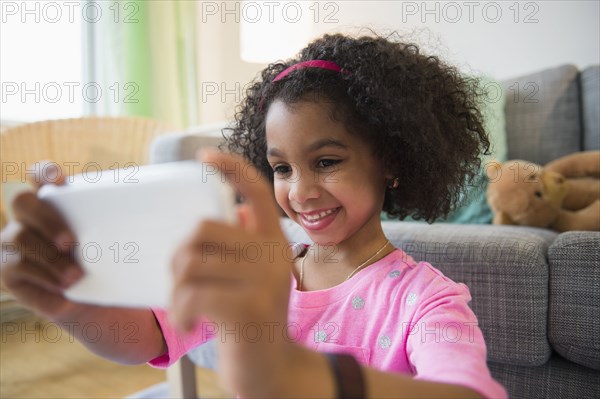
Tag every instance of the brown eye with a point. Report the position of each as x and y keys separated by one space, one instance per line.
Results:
x=538 y=194
x=327 y=163
x=281 y=169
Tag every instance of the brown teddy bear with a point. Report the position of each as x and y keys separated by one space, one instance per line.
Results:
x=564 y=195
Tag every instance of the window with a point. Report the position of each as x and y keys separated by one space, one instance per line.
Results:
x=41 y=60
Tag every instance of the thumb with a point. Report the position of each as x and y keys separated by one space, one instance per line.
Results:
x=260 y=210
x=46 y=172
x=245 y=217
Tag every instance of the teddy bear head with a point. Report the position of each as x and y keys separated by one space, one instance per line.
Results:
x=523 y=193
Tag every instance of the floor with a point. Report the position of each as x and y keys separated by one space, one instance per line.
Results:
x=39 y=361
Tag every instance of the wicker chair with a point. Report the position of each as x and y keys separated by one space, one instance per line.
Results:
x=90 y=144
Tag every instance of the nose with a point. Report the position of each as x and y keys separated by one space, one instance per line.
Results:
x=303 y=188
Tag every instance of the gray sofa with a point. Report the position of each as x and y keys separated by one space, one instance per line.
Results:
x=536 y=292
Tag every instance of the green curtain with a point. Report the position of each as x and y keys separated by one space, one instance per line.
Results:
x=143 y=57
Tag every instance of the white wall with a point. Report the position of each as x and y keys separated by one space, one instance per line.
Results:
x=500 y=38
x=503 y=39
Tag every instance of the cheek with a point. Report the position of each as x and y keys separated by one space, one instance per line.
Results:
x=360 y=188
x=281 y=195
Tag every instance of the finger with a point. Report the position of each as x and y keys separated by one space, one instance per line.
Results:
x=206 y=262
x=35 y=250
x=237 y=245
x=257 y=192
x=49 y=303
x=31 y=211
x=8 y=241
x=245 y=218
x=29 y=273
x=46 y=172
x=214 y=300
x=217 y=249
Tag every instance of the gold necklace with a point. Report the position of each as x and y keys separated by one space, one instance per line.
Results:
x=350 y=275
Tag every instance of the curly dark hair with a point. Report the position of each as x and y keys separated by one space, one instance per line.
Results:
x=419 y=116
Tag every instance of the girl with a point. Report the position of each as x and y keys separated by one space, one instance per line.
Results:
x=351 y=127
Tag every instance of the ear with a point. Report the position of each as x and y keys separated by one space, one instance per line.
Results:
x=391 y=181
x=502 y=218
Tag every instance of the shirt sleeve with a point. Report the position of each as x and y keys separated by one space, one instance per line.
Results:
x=444 y=342
x=178 y=344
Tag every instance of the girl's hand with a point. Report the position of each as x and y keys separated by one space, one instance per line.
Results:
x=36 y=264
x=239 y=276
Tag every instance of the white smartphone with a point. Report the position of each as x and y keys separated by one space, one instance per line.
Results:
x=129 y=223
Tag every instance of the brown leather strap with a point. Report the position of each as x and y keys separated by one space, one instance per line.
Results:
x=348 y=376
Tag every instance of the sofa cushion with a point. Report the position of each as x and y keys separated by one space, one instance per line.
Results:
x=543 y=120
x=506 y=271
x=574 y=319
x=590 y=97
x=557 y=379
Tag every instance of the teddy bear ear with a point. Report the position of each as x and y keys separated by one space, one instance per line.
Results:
x=492 y=170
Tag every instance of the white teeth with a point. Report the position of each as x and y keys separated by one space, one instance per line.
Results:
x=321 y=215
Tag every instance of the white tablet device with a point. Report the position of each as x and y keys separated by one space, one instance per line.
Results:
x=129 y=223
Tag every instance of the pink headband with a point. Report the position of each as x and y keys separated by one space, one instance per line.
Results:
x=330 y=65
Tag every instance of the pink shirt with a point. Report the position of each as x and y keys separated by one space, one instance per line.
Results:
x=396 y=315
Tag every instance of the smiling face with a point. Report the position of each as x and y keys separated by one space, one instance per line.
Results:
x=325 y=178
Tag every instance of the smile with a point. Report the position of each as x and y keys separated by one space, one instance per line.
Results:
x=318 y=215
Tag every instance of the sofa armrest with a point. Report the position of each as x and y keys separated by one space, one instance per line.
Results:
x=183 y=146
x=574 y=317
